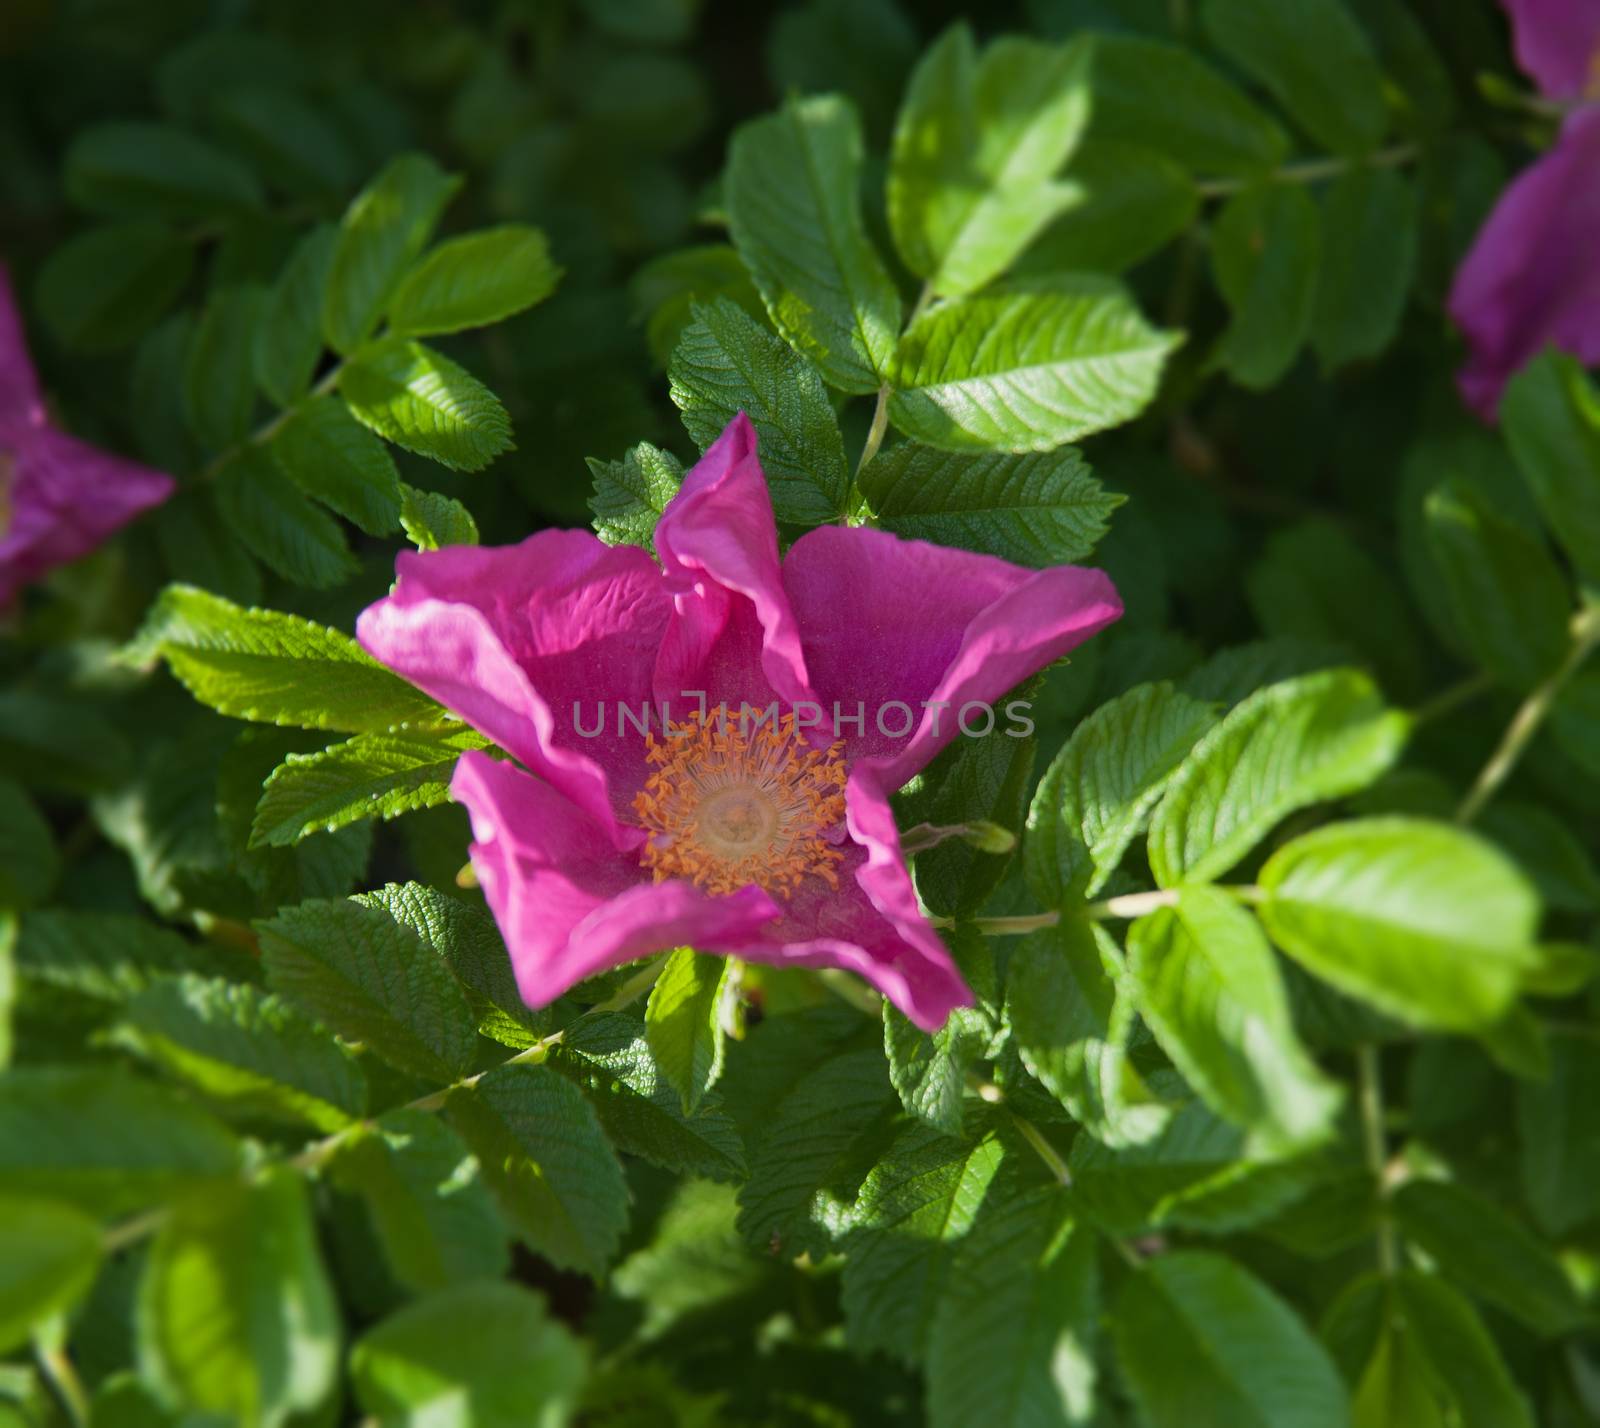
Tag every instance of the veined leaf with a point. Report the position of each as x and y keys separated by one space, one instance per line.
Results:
x=630 y=495
x=432 y=521
x=331 y=456
x=684 y=1022
x=289 y=338
x=473 y=281
x=289 y=137
x=1369 y=256
x=793 y=192
x=142 y=170
x=1026 y=366
x=29 y=863
x=426 y=403
x=219 y=389
x=275 y=521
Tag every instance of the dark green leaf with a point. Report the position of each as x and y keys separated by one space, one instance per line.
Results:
x=103 y=288
x=290 y=139
x=1551 y=414
x=331 y=456
x=279 y=525
x=1265 y=250
x=1558 y=1124
x=289 y=339
x=426 y=403
x=630 y=495
x=1369 y=256
x=140 y=170
x=29 y=863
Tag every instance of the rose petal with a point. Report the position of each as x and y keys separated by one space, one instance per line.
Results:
x=20 y=404
x=1557 y=43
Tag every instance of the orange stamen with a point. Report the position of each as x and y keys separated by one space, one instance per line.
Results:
x=737 y=801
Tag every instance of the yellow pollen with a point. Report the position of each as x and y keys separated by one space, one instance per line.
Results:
x=736 y=801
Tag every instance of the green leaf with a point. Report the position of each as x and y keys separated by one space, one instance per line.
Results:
x=426 y=1198
x=473 y=281
x=369 y=776
x=60 y=741
x=1369 y=255
x=103 y=1140
x=685 y=1022
x=200 y=549
x=1292 y=744
x=289 y=338
x=1464 y=1359
x=1026 y=366
x=276 y=668
x=642 y=1113
x=369 y=977
x=630 y=495
x=793 y=194
x=1208 y=986
x=1489 y=1254
x=1551 y=415
x=426 y=403
x=914 y=1209
x=432 y=521
x=1130 y=202
x=1314 y=58
x=1012 y=1343
x=475 y=1356
x=246 y=1052
x=331 y=456
x=49 y=1256
x=976 y=150
x=1558 y=1128
x=1071 y=1017
x=219 y=389
x=1036 y=510
x=1100 y=789
x=29 y=863
x=979 y=780
x=1425 y=921
x=296 y=145
x=1552 y=857
x=236 y=1316
x=1510 y=601
x=1192 y=1328
x=1163 y=97
x=1265 y=249
x=725 y=363
x=383 y=230
x=279 y=525
x=100 y=290
x=8 y=984
x=664 y=290
x=139 y=170
x=547 y=1161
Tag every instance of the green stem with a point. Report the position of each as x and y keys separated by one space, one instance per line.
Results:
x=1312 y=171
x=1371 y=1102
x=57 y=1370
x=1447 y=701
x=875 y=432
x=269 y=429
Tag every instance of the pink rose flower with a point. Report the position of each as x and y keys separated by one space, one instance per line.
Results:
x=769 y=840
x=1532 y=278
x=59 y=498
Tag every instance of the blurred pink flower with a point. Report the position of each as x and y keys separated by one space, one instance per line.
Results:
x=774 y=842
x=1532 y=279
x=59 y=498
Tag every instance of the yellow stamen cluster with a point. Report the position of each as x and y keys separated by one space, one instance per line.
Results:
x=736 y=801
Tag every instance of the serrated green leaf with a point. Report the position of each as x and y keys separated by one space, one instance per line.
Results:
x=979 y=780
x=289 y=338
x=328 y=454
x=429 y=1206
x=1208 y=986
x=100 y=290
x=426 y=403
x=103 y=1140
x=1292 y=744
x=1164 y=97
x=1314 y=58
x=1266 y=246
x=725 y=363
x=1195 y=1328
x=381 y=234
x=1026 y=366
x=1425 y=921
x=475 y=1356
x=1070 y=1018
x=608 y=1056
x=432 y=521
x=29 y=863
x=367 y=976
x=630 y=495
x=547 y=1161
x=684 y=1022
x=1036 y=510
x=276 y=668
x=142 y=170
x=1369 y=256
x=1551 y=415
x=473 y=281
x=1100 y=789
x=279 y=525
x=792 y=190
x=976 y=150
x=49 y=1256
x=246 y=1052
x=1012 y=1344
x=1558 y=1127
x=236 y=1316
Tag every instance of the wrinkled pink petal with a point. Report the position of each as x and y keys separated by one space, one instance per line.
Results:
x=513 y=638
x=1532 y=279
x=1557 y=43
x=733 y=635
x=898 y=622
x=20 y=404
x=65 y=498
x=567 y=905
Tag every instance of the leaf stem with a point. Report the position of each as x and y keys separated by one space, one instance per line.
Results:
x=57 y=1370
x=1371 y=1102
x=1447 y=701
x=1525 y=723
x=269 y=429
x=1312 y=170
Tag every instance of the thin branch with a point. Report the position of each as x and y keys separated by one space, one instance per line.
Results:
x=269 y=429
x=1371 y=1104
x=1312 y=171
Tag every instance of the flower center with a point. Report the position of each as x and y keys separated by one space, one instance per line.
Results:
x=735 y=801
